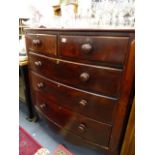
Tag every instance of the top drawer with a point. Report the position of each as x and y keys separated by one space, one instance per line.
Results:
x=108 y=50
x=42 y=43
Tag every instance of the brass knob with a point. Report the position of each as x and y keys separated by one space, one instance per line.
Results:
x=81 y=127
x=36 y=42
x=42 y=106
x=38 y=63
x=40 y=85
x=84 y=77
x=86 y=48
x=83 y=103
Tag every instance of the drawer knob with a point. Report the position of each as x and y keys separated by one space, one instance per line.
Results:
x=40 y=85
x=84 y=77
x=42 y=106
x=82 y=128
x=83 y=103
x=38 y=63
x=36 y=42
x=86 y=48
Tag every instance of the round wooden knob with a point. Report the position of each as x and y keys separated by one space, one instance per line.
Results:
x=83 y=103
x=38 y=63
x=81 y=127
x=36 y=42
x=84 y=77
x=40 y=85
x=86 y=48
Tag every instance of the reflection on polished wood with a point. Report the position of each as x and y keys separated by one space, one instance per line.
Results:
x=81 y=83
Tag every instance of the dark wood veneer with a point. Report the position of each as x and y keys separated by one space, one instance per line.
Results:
x=83 y=85
x=42 y=43
x=95 y=107
x=105 y=49
x=100 y=80
x=75 y=123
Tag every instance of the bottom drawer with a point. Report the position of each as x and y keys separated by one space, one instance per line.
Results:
x=88 y=129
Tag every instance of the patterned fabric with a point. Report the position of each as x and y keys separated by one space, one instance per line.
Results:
x=61 y=150
x=61 y=153
x=43 y=151
x=27 y=145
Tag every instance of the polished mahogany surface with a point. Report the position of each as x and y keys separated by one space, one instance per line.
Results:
x=43 y=44
x=100 y=80
x=81 y=83
x=74 y=122
x=97 y=107
x=107 y=49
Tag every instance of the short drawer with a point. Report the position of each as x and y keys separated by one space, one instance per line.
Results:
x=95 y=79
x=93 y=131
x=91 y=105
x=42 y=43
x=108 y=50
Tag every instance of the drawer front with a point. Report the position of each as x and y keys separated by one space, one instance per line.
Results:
x=108 y=50
x=43 y=43
x=95 y=79
x=91 y=105
x=73 y=122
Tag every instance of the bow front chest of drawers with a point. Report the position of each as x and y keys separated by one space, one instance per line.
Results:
x=82 y=82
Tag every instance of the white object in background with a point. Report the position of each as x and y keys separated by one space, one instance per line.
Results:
x=84 y=4
x=35 y=17
x=22 y=50
x=67 y=15
x=54 y=2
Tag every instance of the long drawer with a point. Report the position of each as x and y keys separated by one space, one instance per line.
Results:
x=98 y=133
x=91 y=105
x=96 y=79
x=109 y=50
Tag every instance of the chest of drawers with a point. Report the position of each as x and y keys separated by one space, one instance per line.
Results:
x=82 y=83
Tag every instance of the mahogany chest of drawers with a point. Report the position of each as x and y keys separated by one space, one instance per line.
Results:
x=82 y=82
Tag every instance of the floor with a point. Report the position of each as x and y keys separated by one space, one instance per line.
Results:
x=41 y=132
